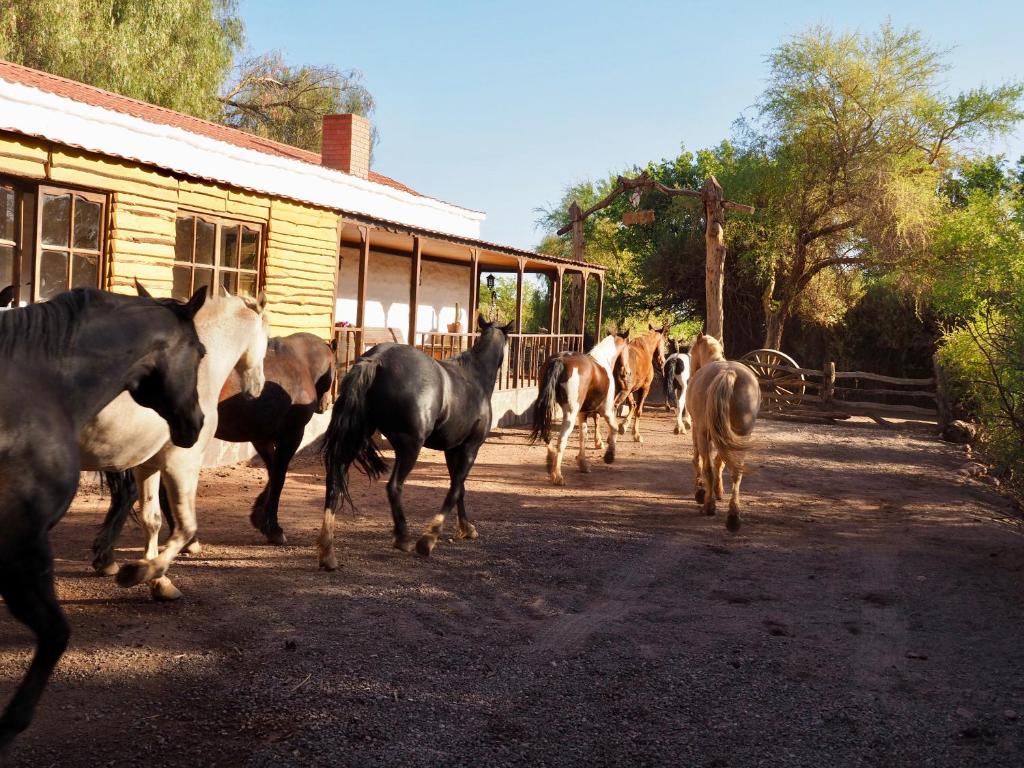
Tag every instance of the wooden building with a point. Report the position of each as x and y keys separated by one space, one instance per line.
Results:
x=98 y=189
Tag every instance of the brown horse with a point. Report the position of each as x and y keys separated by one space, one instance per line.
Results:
x=723 y=399
x=581 y=385
x=635 y=373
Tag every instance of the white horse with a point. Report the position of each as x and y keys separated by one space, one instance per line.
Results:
x=127 y=436
x=677 y=376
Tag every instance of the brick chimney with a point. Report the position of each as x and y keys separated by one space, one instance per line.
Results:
x=345 y=145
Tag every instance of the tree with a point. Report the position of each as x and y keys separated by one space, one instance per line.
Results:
x=854 y=133
x=174 y=53
x=273 y=99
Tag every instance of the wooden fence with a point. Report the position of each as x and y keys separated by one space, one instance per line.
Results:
x=832 y=394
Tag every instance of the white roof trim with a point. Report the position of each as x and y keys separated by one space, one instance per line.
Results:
x=34 y=112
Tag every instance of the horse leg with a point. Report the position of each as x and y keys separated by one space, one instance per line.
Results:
x=286 y=447
x=581 y=457
x=613 y=431
x=460 y=462
x=680 y=410
x=630 y=404
x=719 y=484
x=707 y=475
x=732 y=522
x=570 y=414
x=123 y=495
x=258 y=516
x=598 y=441
x=407 y=450
x=698 y=472
x=27 y=588
x=639 y=412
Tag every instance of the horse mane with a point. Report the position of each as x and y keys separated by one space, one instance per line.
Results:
x=604 y=351
x=48 y=329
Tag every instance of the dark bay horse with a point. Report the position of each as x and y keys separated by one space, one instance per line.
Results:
x=61 y=362
x=414 y=401
x=299 y=372
x=635 y=373
x=581 y=385
x=723 y=400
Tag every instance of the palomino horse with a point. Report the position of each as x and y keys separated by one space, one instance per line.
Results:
x=61 y=362
x=581 y=385
x=299 y=373
x=635 y=373
x=677 y=375
x=723 y=399
x=414 y=401
x=126 y=436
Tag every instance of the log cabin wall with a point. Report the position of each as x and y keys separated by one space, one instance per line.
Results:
x=299 y=243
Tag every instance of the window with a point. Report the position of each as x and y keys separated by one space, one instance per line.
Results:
x=8 y=236
x=70 y=241
x=216 y=252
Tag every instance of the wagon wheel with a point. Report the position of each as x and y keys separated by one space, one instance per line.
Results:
x=764 y=363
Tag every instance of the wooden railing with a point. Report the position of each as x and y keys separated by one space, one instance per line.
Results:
x=524 y=356
x=841 y=394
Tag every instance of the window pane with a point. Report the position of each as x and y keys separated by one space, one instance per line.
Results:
x=56 y=213
x=230 y=281
x=182 y=283
x=8 y=212
x=250 y=249
x=247 y=284
x=229 y=247
x=53 y=274
x=204 y=277
x=183 y=239
x=6 y=266
x=85 y=271
x=206 y=234
x=87 y=224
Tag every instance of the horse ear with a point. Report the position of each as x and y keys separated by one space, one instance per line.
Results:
x=482 y=323
x=141 y=290
x=195 y=303
x=7 y=296
x=650 y=327
x=625 y=334
x=508 y=328
x=261 y=302
x=224 y=291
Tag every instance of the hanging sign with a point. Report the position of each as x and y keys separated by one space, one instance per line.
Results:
x=629 y=218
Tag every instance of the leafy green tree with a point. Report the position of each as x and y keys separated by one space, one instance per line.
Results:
x=174 y=53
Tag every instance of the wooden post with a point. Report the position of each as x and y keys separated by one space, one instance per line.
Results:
x=556 y=304
x=516 y=343
x=364 y=271
x=942 y=403
x=828 y=389
x=576 y=216
x=714 y=239
x=414 y=287
x=474 y=290
x=519 y=296
x=585 y=278
x=600 y=307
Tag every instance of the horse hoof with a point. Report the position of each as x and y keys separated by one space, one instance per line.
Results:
x=584 y=467
x=677 y=430
x=732 y=523
x=698 y=495
x=559 y=480
x=404 y=544
x=194 y=548
x=469 y=532
x=425 y=545
x=328 y=562
x=130 y=574
x=709 y=507
x=108 y=568
x=164 y=591
x=609 y=457
x=637 y=439
x=277 y=538
x=622 y=429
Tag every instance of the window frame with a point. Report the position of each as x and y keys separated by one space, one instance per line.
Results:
x=16 y=244
x=220 y=223
x=38 y=246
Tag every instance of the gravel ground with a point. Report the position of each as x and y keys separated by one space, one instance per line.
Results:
x=868 y=613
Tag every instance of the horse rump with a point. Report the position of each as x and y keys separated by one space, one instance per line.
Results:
x=547 y=397
x=729 y=443
x=349 y=436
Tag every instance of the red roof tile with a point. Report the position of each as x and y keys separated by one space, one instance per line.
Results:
x=97 y=97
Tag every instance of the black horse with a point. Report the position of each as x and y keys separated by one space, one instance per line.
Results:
x=299 y=373
x=414 y=401
x=61 y=362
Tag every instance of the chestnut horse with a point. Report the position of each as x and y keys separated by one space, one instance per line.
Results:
x=635 y=373
x=723 y=400
x=581 y=385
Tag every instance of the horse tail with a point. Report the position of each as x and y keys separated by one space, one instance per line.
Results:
x=547 y=396
x=123 y=495
x=349 y=436
x=669 y=378
x=727 y=441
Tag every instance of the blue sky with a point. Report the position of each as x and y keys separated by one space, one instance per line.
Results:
x=498 y=106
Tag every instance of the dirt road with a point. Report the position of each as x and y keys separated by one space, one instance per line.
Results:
x=869 y=613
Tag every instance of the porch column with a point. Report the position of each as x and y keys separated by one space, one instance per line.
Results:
x=585 y=279
x=519 y=296
x=556 y=303
x=414 y=287
x=474 y=290
x=364 y=264
x=600 y=306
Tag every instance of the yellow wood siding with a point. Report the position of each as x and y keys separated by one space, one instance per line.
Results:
x=301 y=241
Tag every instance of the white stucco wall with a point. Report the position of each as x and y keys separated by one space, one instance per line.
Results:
x=387 y=292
